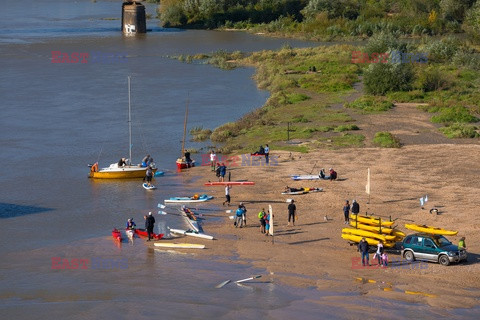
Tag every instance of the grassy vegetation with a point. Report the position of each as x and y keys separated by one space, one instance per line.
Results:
x=200 y=134
x=371 y=104
x=460 y=130
x=221 y=58
x=386 y=140
x=345 y=140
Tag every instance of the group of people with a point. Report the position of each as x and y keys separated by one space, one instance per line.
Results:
x=149 y=225
x=240 y=216
x=380 y=254
x=355 y=208
x=263 y=151
x=264 y=221
x=220 y=171
x=332 y=174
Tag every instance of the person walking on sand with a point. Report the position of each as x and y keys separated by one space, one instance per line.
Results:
x=291 y=212
x=213 y=159
x=355 y=207
x=363 y=249
x=267 y=152
x=244 y=215
x=227 y=195
x=262 y=217
x=346 y=211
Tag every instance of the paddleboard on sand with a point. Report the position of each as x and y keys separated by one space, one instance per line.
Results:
x=231 y=183
x=305 y=177
x=192 y=233
x=179 y=245
x=270 y=212
x=151 y=187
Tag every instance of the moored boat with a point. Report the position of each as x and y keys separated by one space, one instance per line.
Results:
x=143 y=233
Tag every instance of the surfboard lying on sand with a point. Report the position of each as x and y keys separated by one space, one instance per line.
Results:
x=151 y=187
x=305 y=190
x=230 y=183
x=179 y=245
x=306 y=177
x=192 y=233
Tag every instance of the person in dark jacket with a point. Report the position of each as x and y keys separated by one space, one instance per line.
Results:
x=291 y=212
x=149 y=224
x=333 y=174
x=346 y=211
x=355 y=207
x=363 y=248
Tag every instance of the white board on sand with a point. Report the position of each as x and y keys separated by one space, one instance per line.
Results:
x=270 y=212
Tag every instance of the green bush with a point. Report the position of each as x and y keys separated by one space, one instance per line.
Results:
x=454 y=114
x=460 y=130
x=346 y=127
x=200 y=134
x=385 y=139
x=433 y=79
x=296 y=97
x=348 y=140
x=381 y=78
x=371 y=104
x=442 y=50
x=325 y=128
x=472 y=21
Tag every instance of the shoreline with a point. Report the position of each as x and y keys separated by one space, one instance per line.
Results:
x=313 y=254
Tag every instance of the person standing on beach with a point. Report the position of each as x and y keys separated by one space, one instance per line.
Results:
x=213 y=159
x=379 y=253
x=346 y=211
x=363 y=249
x=217 y=170
x=244 y=215
x=462 y=244
x=149 y=224
x=267 y=151
x=262 y=216
x=227 y=195
x=291 y=212
x=238 y=217
x=223 y=171
x=355 y=207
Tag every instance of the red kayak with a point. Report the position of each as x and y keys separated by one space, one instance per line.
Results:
x=231 y=183
x=116 y=234
x=144 y=233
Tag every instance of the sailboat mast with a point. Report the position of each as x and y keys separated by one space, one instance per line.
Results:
x=184 y=128
x=129 y=125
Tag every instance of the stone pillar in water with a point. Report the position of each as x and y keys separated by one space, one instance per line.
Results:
x=133 y=18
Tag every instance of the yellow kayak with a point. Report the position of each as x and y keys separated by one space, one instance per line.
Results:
x=399 y=235
x=429 y=229
x=364 y=233
x=370 y=228
x=370 y=241
x=370 y=220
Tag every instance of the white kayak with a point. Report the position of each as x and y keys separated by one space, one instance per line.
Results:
x=179 y=245
x=192 y=233
x=306 y=177
x=151 y=187
x=202 y=198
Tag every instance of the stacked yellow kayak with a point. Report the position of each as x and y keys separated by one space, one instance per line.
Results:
x=431 y=230
x=373 y=230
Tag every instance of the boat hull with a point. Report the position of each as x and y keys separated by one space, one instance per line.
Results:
x=185 y=165
x=370 y=220
x=431 y=230
x=192 y=234
x=370 y=241
x=376 y=229
x=144 y=233
x=131 y=172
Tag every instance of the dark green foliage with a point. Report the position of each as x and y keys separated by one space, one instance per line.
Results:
x=460 y=130
x=432 y=79
x=381 y=78
x=385 y=139
x=371 y=104
x=454 y=114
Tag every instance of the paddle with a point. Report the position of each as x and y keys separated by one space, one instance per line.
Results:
x=247 y=279
x=220 y=285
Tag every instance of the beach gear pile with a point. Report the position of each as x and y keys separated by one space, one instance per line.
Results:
x=373 y=229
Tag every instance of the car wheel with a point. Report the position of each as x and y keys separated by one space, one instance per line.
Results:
x=408 y=255
x=443 y=260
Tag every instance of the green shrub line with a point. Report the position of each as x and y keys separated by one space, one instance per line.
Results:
x=460 y=130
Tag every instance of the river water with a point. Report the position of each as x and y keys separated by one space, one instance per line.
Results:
x=55 y=118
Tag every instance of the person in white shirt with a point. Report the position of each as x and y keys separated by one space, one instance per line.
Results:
x=213 y=160
x=227 y=195
x=267 y=151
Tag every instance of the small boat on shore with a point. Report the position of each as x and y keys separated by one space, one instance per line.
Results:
x=193 y=199
x=185 y=161
x=430 y=229
x=230 y=183
x=191 y=219
x=191 y=233
x=179 y=245
x=116 y=234
x=144 y=234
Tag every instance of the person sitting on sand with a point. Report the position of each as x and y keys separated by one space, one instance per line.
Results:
x=260 y=151
x=333 y=174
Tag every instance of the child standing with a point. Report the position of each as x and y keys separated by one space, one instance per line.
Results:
x=385 y=259
x=262 y=217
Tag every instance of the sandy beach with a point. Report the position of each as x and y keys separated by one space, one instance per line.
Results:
x=312 y=253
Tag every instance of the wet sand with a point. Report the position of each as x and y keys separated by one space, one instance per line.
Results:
x=312 y=253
